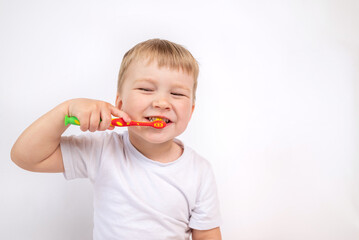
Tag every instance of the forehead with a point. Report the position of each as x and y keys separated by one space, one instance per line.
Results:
x=151 y=70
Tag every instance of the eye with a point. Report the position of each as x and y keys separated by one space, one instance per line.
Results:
x=178 y=94
x=145 y=89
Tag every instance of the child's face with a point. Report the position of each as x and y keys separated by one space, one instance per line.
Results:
x=149 y=92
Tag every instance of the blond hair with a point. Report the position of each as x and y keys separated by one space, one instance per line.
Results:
x=166 y=54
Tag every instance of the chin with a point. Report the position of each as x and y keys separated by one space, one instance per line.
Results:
x=155 y=136
x=158 y=138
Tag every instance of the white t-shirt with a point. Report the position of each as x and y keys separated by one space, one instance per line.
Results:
x=138 y=198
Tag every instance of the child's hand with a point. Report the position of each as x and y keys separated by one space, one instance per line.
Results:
x=90 y=112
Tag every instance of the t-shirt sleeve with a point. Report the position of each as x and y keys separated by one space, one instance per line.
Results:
x=206 y=213
x=81 y=155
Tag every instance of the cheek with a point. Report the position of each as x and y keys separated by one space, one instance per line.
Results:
x=186 y=110
x=133 y=102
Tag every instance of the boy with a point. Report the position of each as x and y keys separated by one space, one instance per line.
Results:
x=147 y=184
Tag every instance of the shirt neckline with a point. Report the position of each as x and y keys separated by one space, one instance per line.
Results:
x=138 y=155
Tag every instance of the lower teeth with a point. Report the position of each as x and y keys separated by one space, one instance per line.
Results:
x=158 y=119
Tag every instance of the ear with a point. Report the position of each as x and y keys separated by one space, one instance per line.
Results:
x=192 y=111
x=118 y=101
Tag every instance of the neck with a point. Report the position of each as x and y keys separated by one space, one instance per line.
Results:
x=161 y=152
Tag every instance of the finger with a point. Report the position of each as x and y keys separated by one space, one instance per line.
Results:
x=115 y=111
x=94 y=121
x=84 y=122
x=118 y=113
x=105 y=120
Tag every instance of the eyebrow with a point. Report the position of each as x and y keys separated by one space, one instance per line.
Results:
x=145 y=80
x=154 y=81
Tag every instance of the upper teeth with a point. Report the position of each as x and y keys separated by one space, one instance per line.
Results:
x=158 y=119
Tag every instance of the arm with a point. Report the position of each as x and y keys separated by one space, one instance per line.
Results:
x=38 y=147
x=211 y=234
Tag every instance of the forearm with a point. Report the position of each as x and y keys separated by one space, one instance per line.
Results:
x=211 y=234
x=41 y=138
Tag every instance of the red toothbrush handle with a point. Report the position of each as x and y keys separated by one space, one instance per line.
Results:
x=119 y=122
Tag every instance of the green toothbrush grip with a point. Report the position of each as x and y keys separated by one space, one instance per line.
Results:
x=71 y=120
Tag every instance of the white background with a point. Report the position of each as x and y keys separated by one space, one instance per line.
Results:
x=277 y=110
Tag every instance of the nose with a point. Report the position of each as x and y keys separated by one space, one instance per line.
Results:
x=161 y=103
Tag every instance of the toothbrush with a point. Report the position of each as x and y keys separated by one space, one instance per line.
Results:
x=119 y=122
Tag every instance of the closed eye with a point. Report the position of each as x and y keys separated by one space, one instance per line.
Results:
x=145 y=89
x=178 y=94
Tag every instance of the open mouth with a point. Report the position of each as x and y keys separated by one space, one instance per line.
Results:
x=151 y=119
